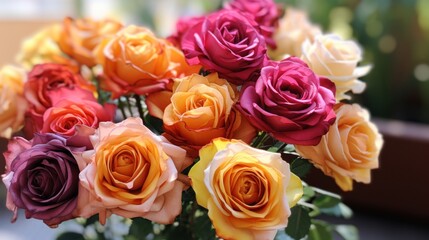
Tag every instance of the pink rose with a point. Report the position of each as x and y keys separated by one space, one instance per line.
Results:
x=226 y=42
x=132 y=173
x=66 y=114
x=264 y=12
x=290 y=102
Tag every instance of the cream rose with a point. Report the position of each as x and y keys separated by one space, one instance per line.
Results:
x=349 y=150
x=12 y=102
x=337 y=59
x=248 y=192
x=294 y=28
x=132 y=173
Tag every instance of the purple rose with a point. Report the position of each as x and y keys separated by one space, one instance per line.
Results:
x=290 y=102
x=265 y=12
x=226 y=42
x=42 y=177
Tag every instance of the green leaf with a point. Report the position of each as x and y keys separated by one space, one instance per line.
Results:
x=91 y=220
x=70 y=236
x=325 y=201
x=308 y=192
x=299 y=222
x=339 y=210
x=300 y=167
x=320 y=230
x=140 y=228
x=203 y=229
x=348 y=232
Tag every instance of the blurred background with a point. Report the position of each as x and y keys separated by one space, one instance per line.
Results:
x=395 y=37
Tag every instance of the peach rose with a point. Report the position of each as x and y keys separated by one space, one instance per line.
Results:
x=66 y=114
x=43 y=48
x=80 y=37
x=248 y=192
x=349 y=150
x=199 y=110
x=12 y=102
x=336 y=59
x=294 y=28
x=136 y=61
x=132 y=173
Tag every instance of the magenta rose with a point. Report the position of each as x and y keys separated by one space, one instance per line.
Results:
x=265 y=12
x=226 y=42
x=182 y=25
x=42 y=177
x=290 y=102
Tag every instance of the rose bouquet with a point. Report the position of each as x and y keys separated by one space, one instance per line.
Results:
x=207 y=133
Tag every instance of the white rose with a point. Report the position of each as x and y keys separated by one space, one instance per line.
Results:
x=294 y=28
x=337 y=59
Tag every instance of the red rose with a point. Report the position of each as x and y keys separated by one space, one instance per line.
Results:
x=226 y=42
x=290 y=102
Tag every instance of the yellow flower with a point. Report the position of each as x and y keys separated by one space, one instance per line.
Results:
x=43 y=48
x=349 y=150
x=12 y=102
x=336 y=59
x=248 y=192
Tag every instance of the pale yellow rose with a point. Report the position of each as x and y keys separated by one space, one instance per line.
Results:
x=248 y=192
x=12 y=102
x=132 y=173
x=293 y=29
x=337 y=59
x=199 y=110
x=43 y=48
x=349 y=150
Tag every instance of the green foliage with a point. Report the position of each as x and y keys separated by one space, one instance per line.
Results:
x=140 y=228
x=300 y=167
x=299 y=222
x=320 y=230
x=348 y=232
x=70 y=236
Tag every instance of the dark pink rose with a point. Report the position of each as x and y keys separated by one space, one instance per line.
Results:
x=226 y=42
x=265 y=12
x=182 y=25
x=290 y=102
x=42 y=177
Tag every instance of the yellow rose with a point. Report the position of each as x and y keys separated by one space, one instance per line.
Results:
x=132 y=173
x=349 y=150
x=12 y=102
x=248 y=192
x=136 y=61
x=199 y=110
x=80 y=37
x=294 y=28
x=336 y=59
x=43 y=48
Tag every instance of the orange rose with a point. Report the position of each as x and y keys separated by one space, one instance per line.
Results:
x=80 y=37
x=248 y=192
x=131 y=173
x=12 y=102
x=136 y=61
x=201 y=109
x=349 y=150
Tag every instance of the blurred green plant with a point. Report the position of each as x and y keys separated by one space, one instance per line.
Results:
x=395 y=36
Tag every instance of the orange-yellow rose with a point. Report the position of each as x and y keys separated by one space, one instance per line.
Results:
x=199 y=110
x=136 y=61
x=12 y=102
x=43 y=48
x=248 y=192
x=294 y=28
x=132 y=173
x=80 y=37
x=349 y=150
